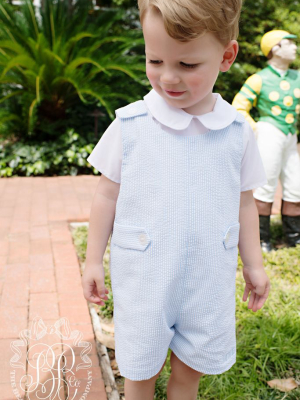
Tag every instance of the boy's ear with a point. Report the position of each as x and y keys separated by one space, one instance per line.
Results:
x=230 y=53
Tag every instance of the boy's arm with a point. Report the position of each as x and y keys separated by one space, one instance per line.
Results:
x=101 y=220
x=101 y=223
x=257 y=281
x=246 y=98
x=249 y=239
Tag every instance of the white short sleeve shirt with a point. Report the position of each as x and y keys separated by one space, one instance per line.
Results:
x=107 y=154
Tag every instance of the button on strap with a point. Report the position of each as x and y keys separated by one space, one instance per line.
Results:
x=132 y=110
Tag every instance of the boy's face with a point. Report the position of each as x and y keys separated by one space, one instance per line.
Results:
x=168 y=65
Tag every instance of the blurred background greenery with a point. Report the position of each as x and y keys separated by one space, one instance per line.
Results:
x=65 y=68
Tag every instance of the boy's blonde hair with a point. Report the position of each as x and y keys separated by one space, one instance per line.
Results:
x=185 y=20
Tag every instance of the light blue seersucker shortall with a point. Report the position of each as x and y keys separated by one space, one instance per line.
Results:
x=174 y=246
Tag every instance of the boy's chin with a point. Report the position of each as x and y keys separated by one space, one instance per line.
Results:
x=176 y=103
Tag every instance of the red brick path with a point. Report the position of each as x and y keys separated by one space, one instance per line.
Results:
x=39 y=270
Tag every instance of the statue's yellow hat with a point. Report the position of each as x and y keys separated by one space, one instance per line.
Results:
x=270 y=39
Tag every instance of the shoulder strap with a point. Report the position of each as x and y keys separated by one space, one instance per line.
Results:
x=239 y=118
x=132 y=110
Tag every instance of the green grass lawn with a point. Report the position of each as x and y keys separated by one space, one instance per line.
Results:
x=268 y=341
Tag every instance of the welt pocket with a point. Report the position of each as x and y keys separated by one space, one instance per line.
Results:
x=130 y=237
x=231 y=237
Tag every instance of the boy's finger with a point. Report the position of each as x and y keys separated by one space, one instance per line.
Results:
x=95 y=296
x=94 y=299
x=102 y=295
x=246 y=293
x=261 y=302
x=251 y=300
x=99 y=303
x=256 y=303
x=99 y=289
x=264 y=297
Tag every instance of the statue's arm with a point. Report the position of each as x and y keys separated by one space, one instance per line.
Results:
x=246 y=98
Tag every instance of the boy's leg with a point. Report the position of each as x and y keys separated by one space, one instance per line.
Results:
x=183 y=382
x=137 y=390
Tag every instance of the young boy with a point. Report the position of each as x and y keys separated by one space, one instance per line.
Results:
x=178 y=169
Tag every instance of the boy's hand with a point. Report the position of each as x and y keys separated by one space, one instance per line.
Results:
x=93 y=286
x=258 y=283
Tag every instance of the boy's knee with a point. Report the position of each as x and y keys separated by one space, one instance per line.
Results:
x=183 y=371
x=153 y=378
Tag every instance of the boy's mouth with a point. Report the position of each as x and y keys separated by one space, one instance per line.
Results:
x=174 y=94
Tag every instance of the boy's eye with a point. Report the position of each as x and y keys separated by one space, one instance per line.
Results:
x=183 y=64
x=190 y=65
x=154 y=61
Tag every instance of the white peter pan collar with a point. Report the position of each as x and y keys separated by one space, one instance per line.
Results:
x=221 y=116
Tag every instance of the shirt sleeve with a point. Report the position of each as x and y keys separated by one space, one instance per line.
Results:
x=246 y=98
x=107 y=154
x=252 y=171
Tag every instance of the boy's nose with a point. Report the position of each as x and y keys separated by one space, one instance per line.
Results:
x=169 y=78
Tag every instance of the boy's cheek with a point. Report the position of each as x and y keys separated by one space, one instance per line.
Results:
x=150 y=76
x=195 y=84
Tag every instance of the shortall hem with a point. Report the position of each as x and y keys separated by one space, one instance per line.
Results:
x=209 y=371
x=141 y=376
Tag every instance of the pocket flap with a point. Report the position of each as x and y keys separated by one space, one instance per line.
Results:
x=130 y=237
x=231 y=238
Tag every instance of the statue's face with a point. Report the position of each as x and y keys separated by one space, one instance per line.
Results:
x=287 y=50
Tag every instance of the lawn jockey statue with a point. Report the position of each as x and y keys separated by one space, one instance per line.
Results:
x=275 y=92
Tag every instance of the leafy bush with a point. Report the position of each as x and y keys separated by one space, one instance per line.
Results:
x=49 y=64
x=65 y=156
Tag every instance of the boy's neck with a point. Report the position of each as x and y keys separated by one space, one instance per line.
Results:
x=205 y=106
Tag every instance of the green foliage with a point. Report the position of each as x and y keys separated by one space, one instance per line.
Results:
x=65 y=156
x=49 y=65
